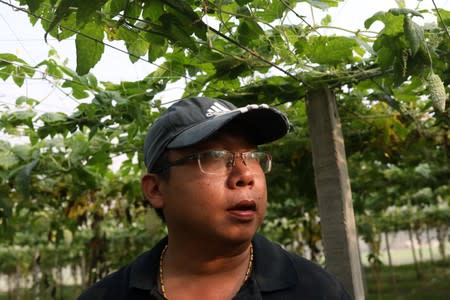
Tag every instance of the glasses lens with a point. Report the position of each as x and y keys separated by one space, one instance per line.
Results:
x=215 y=162
x=259 y=159
x=221 y=161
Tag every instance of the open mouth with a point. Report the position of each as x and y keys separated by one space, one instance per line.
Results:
x=243 y=206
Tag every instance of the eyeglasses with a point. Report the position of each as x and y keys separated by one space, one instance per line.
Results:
x=221 y=162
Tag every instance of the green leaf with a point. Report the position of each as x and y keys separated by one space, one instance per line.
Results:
x=272 y=9
x=78 y=90
x=18 y=79
x=100 y=158
x=183 y=8
x=23 y=178
x=106 y=97
x=326 y=20
x=6 y=206
x=67 y=23
x=68 y=71
x=323 y=4
x=445 y=15
x=248 y=30
x=22 y=115
x=187 y=19
x=27 y=71
x=134 y=11
x=393 y=24
x=53 y=117
x=153 y=10
x=9 y=58
x=414 y=35
x=86 y=9
x=329 y=50
x=62 y=11
x=91 y=81
x=85 y=178
x=206 y=55
x=8 y=159
x=89 y=47
x=376 y=17
x=6 y=71
x=243 y=2
x=118 y=6
x=136 y=45
x=80 y=148
x=33 y=5
x=30 y=101
x=23 y=151
x=404 y=11
x=176 y=32
x=229 y=67
x=53 y=69
x=157 y=48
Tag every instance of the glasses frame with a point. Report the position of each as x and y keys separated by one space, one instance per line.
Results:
x=196 y=157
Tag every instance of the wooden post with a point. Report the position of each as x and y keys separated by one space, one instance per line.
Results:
x=333 y=191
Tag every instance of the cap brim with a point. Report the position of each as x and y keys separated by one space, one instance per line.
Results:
x=263 y=124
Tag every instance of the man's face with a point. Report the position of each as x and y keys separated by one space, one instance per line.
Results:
x=228 y=207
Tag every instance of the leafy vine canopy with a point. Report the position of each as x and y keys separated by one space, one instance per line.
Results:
x=212 y=44
x=391 y=86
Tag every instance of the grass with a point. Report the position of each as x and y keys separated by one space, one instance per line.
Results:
x=433 y=282
x=67 y=292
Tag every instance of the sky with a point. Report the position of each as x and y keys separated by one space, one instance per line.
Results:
x=19 y=37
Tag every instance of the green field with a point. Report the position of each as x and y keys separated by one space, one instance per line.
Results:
x=402 y=282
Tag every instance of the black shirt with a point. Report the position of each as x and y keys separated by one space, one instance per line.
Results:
x=276 y=274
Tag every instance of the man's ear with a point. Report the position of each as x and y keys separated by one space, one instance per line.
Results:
x=151 y=185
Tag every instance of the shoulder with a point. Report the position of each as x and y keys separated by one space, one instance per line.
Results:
x=133 y=281
x=115 y=283
x=285 y=272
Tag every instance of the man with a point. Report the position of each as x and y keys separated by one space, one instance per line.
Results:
x=206 y=179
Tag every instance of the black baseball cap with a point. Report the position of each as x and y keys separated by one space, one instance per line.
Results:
x=192 y=120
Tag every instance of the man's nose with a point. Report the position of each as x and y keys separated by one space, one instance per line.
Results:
x=241 y=174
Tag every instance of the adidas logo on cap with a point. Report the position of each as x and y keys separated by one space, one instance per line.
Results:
x=216 y=109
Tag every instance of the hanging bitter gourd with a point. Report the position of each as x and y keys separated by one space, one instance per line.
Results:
x=437 y=91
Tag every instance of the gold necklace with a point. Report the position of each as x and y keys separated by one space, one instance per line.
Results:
x=161 y=269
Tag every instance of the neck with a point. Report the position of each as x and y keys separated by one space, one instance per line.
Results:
x=206 y=258
x=208 y=271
